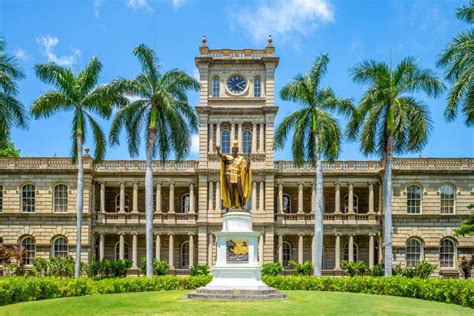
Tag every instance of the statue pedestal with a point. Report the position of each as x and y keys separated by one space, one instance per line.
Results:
x=237 y=273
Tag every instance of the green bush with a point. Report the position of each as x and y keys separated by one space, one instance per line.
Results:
x=272 y=269
x=200 y=269
x=359 y=268
x=159 y=267
x=422 y=270
x=465 y=265
x=20 y=289
x=305 y=268
x=454 y=291
x=108 y=268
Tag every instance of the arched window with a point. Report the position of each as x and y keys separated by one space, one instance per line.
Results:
x=185 y=202
x=117 y=203
x=117 y=250
x=1 y=198
x=28 y=198
x=60 y=198
x=413 y=252
x=355 y=203
x=60 y=247
x=447 y=193
x=215 y=87
x=257 y=87
x=413 y=199
x=185 y=254
x=286 y=254
x=356 y=252
x=247 y=142
x=286 y=203
x=446 y=254
x=28 y=243
x=225 y=142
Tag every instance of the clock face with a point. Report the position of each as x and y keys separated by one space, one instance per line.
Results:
x=236 y=84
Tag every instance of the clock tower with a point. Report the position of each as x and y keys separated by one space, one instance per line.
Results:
x=237 y=103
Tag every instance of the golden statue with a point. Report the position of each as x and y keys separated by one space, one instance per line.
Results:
x=235 y=178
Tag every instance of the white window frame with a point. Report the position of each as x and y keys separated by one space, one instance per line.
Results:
x=224 y=149
x=414 y=253
x=31 y=206
x=346 y=252
x=184 y=254
x=30 y=250
x=355 y=203
x=126 y=204
x=247 y=142
x=62 y=199
x=409 y=207
x=447 y=199
x=63 y=253
x=125 y=250
x=453 y=254
x=215 y=87
x=257 y=88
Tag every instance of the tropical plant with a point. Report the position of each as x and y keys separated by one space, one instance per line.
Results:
x=305 y=268
x=355 y=268
x=8 y=150
x=272 y=269
x=160 y=267
x=465 y=265
x=162 y=112
x=200 y=269
x=422 y=270
x=467 y=226
x=12 y=112
x=458 y=61
x=392 y=121
x=79 y=94
x=316 y=132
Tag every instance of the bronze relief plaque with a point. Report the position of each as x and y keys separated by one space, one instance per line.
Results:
x=237 y=251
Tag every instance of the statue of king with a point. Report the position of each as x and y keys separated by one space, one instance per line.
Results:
x=235 y=178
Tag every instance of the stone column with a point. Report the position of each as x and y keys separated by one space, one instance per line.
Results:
x=218 y=196
x=313 y=199
x=380 y=198
x=134 y=251
x=300 y=248
x=209 y=250
x=158 y=247
x=254 y=196
x=191 y=250
x=232 y=133
x=260 y=248
x=262 y=138
x=218 y=134
x=337 y=254
x=338 y=198
x=371 y=251
x=313 y=253
x=211 y=191
x=171 y=208
x=121 y=246
x=351 y=198
x=101 y=246
x=135 y=198
x=280 y=248
x=254 y=138
x=102 y=197
x=300 y=198
x=351 y=248
x=280 y=198
x=371 y=197
x=211 y=137
x=122 y=198
x=158 y=198
x=171 y=251
x=192 y=207
x=261 y=205
x=239 y=137
x=380 y=248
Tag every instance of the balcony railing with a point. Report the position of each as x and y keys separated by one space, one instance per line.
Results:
x=335 y=219
x=140 y=218
x=140 y=165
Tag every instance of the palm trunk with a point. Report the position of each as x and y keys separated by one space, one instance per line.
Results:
x=388 y=209
x=149 y=204
x=79 y=202
x=319 y=212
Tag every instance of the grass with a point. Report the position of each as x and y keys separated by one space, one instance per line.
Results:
x=172 y=303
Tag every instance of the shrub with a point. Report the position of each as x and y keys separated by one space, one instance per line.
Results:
x=159 y=267
x=200 y=269
x=272 y=269
x=455 y=291
x=305 y=268
x=355 y=268
x=422 y=270
x=465 y=265
x=108 y=268
x=377 y=270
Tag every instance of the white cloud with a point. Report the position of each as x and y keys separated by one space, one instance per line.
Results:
x=97 y=7
x=178 y=3
x=195 y=144
x=47 y=44
x=138 y=4
x=282 y=17
x=21 y=54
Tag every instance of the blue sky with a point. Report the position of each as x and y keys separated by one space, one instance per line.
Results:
x=70 y=32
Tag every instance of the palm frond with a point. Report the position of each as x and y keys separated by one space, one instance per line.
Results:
x=12 y=113
x=60 y=77
x=90 y=75
x=100 y=143
x=466 y=12
x=149 y=63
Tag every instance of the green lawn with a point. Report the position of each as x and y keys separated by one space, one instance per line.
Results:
x=172 y=303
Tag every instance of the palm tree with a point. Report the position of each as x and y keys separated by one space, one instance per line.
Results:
x=12 y=112
x=458 y=61
x=392 y=120
x=316 y=132
x=162 y=112
x=80 y=95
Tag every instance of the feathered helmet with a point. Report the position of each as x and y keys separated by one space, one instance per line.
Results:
x=235 y=144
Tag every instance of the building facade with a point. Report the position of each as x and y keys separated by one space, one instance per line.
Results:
x=236 y=102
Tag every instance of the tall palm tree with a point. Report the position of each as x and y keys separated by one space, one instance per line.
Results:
x=80 y=95
x=316 y=132
x=162 y=112
x=392 y=120
x=458 y=61
x=12 y=112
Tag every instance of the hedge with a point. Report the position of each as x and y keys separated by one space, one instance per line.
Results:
x=455 y=291
x=20 y=289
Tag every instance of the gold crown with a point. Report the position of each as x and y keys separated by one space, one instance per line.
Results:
x=235 y=143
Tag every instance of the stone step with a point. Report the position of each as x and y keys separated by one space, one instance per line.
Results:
x=236 y=295
x=236 y=292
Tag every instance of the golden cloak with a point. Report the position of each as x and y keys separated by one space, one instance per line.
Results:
x=245 y=180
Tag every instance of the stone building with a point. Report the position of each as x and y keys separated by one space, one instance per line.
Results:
x=430 y=196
